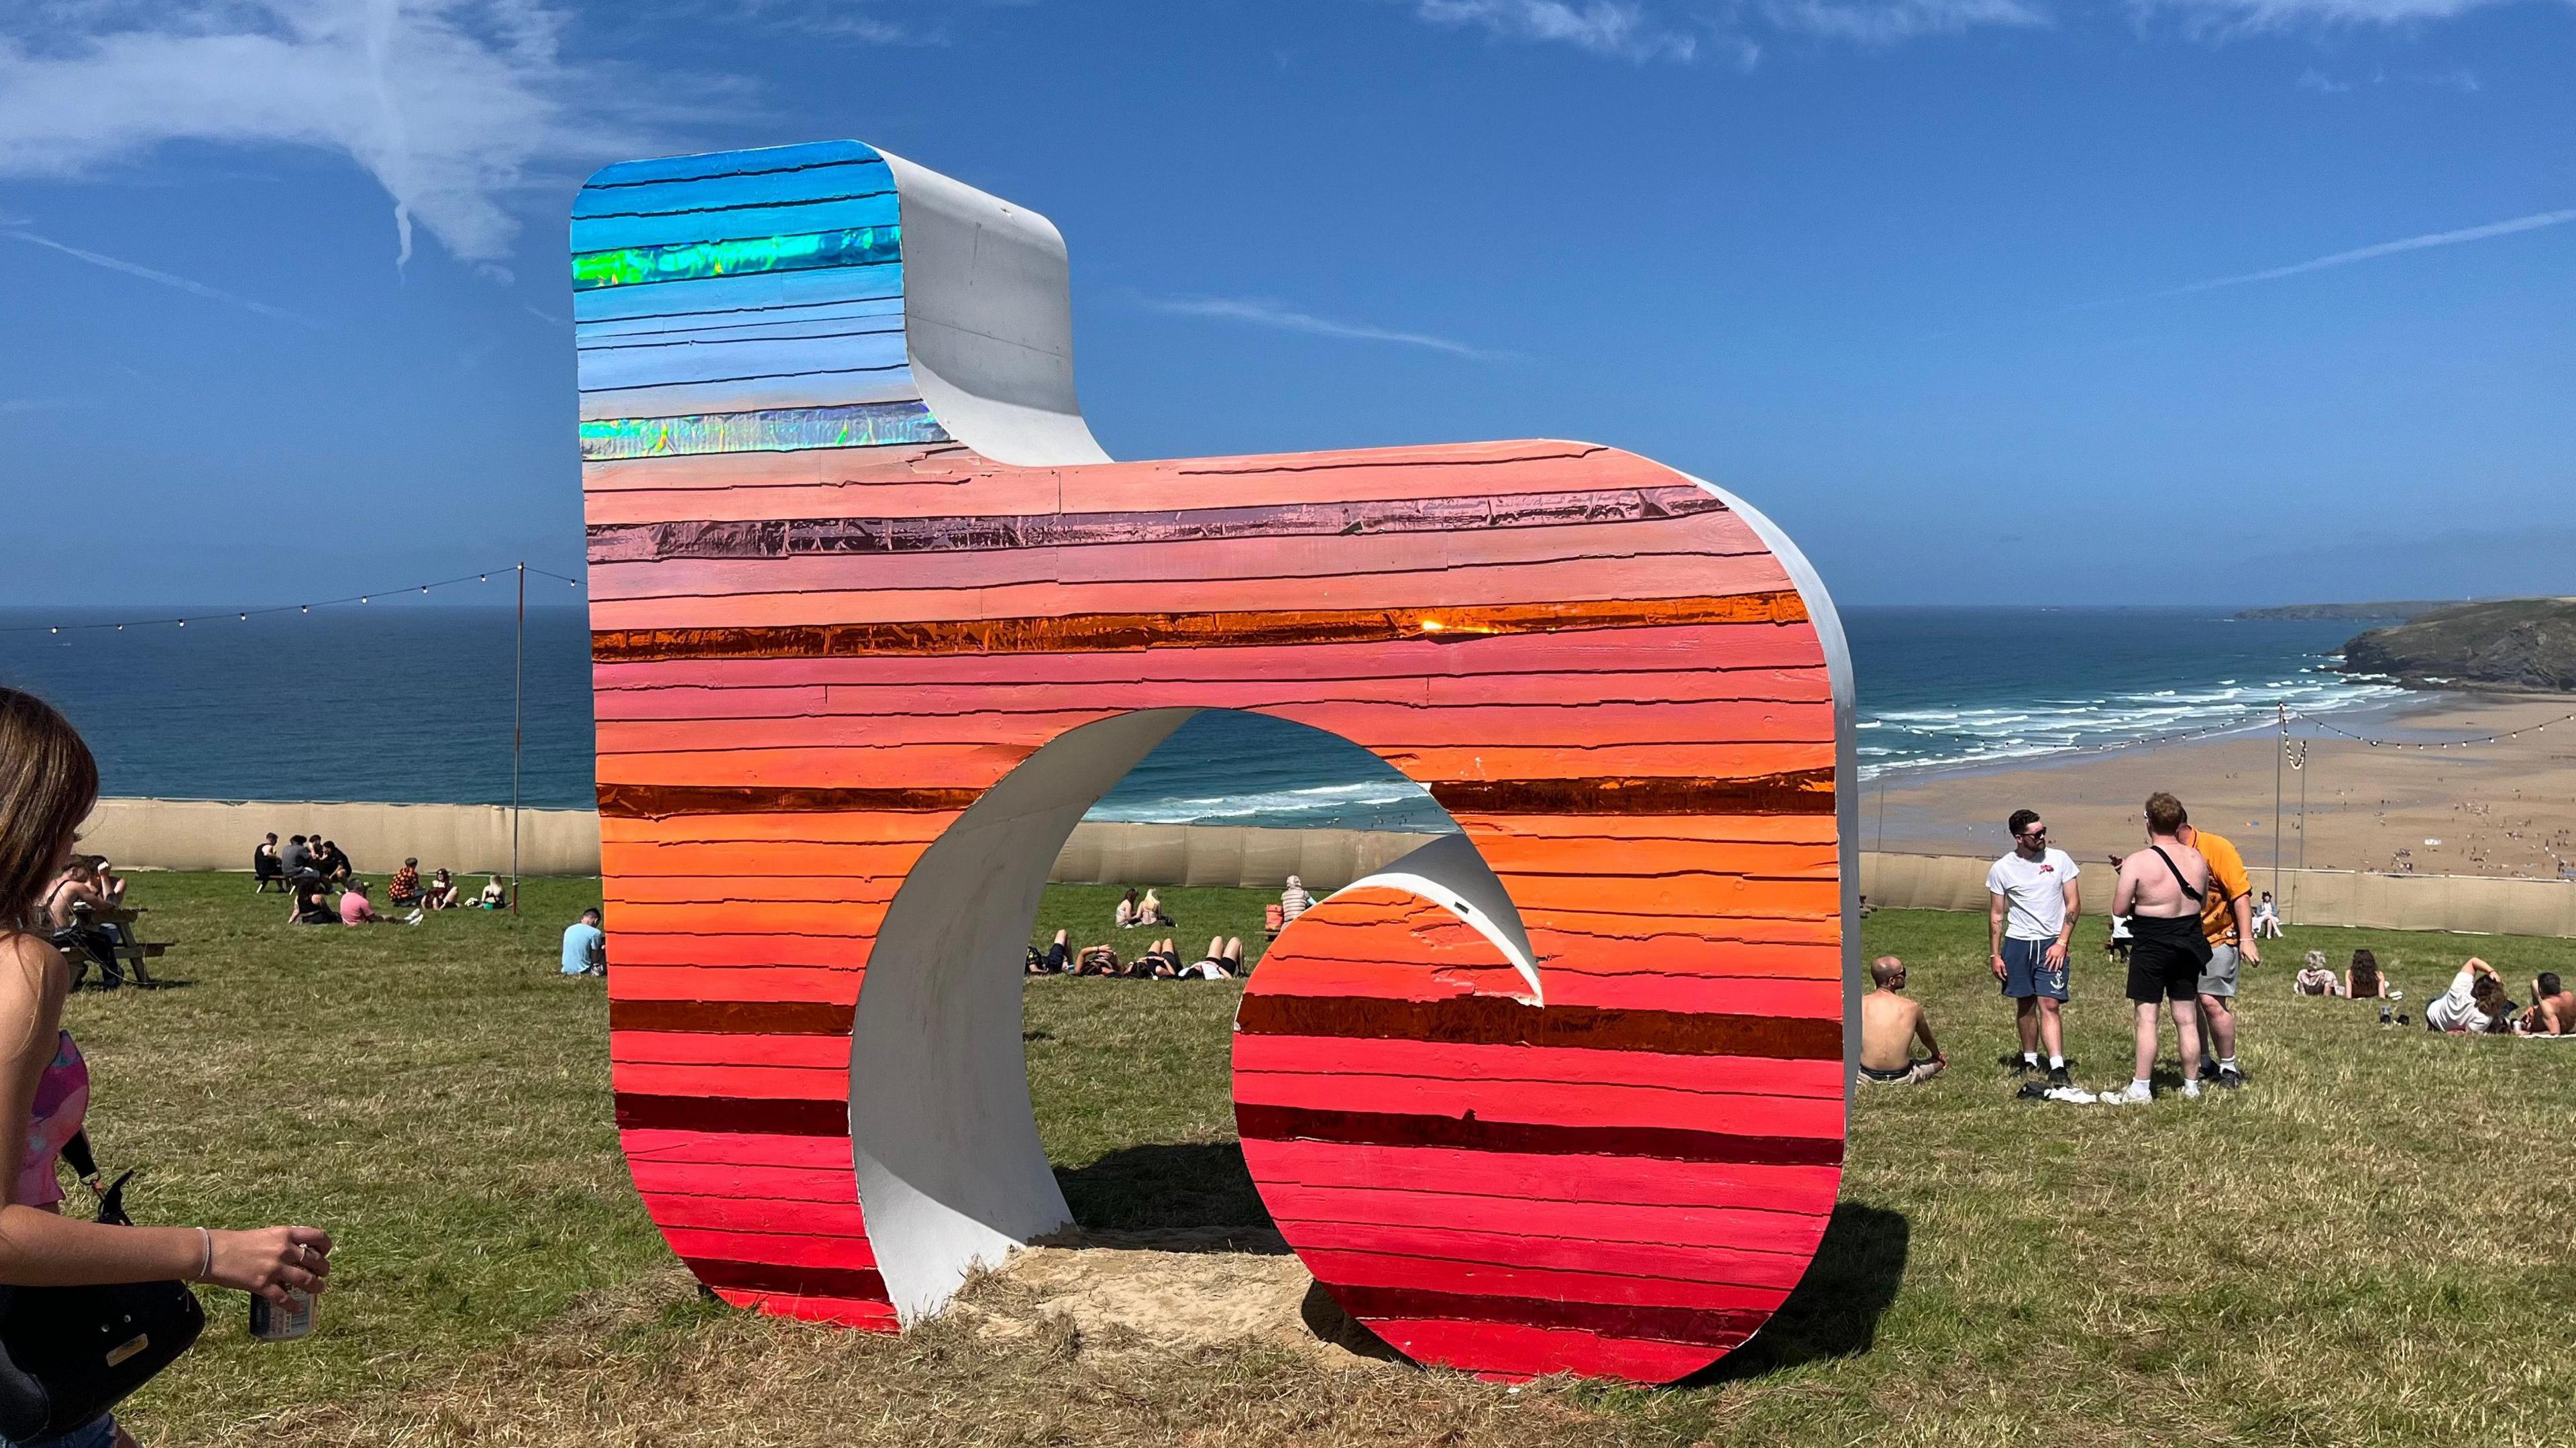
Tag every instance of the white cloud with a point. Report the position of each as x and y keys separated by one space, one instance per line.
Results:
x=449 y=104
x=1262 y=313
x=1605 y=27
x=1882 y=22
x=134 y=269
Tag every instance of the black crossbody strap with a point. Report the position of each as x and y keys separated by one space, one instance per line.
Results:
x=2198 y=897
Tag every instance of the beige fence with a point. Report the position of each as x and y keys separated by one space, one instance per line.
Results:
x=193 y=834
x=2469 y=904
x=188 y=834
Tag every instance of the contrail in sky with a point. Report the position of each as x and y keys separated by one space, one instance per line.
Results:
x=164 y=278
x=2371 y=253
x=1262 y=313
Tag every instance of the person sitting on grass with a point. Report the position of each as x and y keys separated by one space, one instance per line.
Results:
x=1124 y=917
x=266 y=868
x=333 y=863
x=2315 y=977
x=1224 y=958
x=442 y=893
x=1294 y=901
x=585 y=945
x=1057 y=960
x=404 y=887
x=1890 y=1024
x=2553 y=1007
x=495 y=896
x=2474 y=1005
x=2363 y=982
x=312 y=902
x=357 y=909
x=1151 y=912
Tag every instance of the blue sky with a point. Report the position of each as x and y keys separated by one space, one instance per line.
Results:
x=1985 y=300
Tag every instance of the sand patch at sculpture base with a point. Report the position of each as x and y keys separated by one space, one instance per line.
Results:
x=1151 y=1292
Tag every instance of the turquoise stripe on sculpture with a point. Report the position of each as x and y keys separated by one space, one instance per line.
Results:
x=645 y=265
x=784 y=430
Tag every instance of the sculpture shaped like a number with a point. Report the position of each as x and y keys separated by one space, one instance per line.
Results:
x=875 y=620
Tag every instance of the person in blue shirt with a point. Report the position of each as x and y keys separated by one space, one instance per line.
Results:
x=585 y=946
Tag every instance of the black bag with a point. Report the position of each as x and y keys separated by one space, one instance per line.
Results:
x=68 y=1354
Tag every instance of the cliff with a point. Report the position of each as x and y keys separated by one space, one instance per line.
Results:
x=2350 y=612
x=2515 y=643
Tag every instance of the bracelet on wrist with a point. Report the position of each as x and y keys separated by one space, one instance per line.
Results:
x=206 y=1255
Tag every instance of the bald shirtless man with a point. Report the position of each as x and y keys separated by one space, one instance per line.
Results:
x=2161 y=890
x=1889 y=1026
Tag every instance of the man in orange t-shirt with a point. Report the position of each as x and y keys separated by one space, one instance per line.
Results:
x=2227 y=918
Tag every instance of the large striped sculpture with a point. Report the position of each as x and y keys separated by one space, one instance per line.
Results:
x=875 y=621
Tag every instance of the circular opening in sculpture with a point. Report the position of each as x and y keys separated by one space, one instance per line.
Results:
x=952 y=1171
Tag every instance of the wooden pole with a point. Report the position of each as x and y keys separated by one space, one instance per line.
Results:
x=518 y=727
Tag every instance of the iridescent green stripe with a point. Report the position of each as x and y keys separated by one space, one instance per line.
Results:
x=696 y=260
x=786 y=429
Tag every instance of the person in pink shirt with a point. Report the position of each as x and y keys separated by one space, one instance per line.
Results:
x=357 y=909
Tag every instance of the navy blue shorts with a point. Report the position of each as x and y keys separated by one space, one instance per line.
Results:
x=2026 y=971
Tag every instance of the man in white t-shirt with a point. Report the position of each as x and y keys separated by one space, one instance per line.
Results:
x=2465 y=1006
x=2035 y=905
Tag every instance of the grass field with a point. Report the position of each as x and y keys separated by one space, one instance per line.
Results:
x=2368 y=1246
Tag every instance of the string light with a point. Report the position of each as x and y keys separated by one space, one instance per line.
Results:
x=244 y=614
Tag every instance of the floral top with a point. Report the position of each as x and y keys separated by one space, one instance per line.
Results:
x=62 y=1100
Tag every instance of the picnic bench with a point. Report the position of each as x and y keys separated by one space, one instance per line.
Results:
x=126 y=958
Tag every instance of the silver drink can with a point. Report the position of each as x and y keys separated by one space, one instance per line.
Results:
x=272 y=1322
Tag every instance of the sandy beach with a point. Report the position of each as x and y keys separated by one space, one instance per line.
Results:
x=2507 y=808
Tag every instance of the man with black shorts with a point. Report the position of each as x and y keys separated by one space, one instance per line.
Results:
x=2035 y=903
x=2161 y=890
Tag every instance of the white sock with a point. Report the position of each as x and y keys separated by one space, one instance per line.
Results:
x=2140 y=1088
x=2030 y=1058
x=2057 y=1063
x=2227 y=1063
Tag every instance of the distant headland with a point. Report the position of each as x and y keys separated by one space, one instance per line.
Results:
x=2511 y=643
x=2352 y=612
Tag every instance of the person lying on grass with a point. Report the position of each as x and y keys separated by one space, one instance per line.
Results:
x=2315 y=978
x=1058 y=959
x=2474 y=1005
x=1224 y=958
x=1890 y=1024
x=1098 y=960
x=1161 y=960
x=48 y=782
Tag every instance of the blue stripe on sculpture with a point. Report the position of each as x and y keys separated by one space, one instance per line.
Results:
x=768 y=160
x=878 y=210
x=734 y=193
x=783 y=430
x=766 y=295
x=863 y=314
x=753 y=360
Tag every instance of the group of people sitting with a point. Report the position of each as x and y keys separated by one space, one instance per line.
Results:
x=309 y=868
x=2475 y=1003
x=1158 y=961
x=1133 y=913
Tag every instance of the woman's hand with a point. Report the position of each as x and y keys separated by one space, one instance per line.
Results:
x=267 y=1262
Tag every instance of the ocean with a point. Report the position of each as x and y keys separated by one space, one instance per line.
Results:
x=412 y=702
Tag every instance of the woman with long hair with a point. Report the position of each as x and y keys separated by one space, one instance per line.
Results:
x=48 y=781
x=2363 y=982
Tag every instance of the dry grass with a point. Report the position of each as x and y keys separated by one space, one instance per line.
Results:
x=2335 y=1256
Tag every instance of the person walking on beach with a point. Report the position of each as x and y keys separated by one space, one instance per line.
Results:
x=2227 y=919
x=2035 y=905
x=2161 y=890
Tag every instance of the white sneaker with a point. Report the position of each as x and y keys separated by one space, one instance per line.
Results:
x=2133 y=1094
x=412 y=919
x=2191 y=1090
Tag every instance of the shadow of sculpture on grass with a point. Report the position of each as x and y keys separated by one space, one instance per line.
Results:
x=1835 y=1310
x=1173 y=1196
